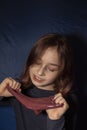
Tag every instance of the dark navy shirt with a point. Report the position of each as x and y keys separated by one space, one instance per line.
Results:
x=26 y=119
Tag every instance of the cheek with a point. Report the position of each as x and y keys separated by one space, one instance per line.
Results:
x=53 y=77
x=31 y=69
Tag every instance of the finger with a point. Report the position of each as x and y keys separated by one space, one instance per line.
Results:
x=17 y=85
x=65 y=104
x=7 y=82
x=14 y=84
x=59 y=100
x=57 y=96
x=11 y=81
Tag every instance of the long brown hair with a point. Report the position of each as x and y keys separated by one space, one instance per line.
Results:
x=64 y=81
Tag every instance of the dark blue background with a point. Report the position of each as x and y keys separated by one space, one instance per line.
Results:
x=22 y=23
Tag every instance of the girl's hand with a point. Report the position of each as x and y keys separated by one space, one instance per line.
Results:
x=12 y=83
x=57 y=113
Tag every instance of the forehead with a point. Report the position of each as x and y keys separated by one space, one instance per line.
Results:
x=50 y=55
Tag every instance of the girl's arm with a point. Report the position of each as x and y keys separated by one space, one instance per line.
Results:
x=56 y=120
x=56 y=124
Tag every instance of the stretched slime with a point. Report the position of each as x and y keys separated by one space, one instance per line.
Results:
x=35 y=104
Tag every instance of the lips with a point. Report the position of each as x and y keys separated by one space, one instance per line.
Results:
x=37 y=79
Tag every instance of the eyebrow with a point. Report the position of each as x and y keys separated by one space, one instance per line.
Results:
x=50 y=63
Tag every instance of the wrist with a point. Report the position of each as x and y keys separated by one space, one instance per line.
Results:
x=54 y=117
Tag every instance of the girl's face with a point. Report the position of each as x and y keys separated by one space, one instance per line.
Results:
x=45 y=70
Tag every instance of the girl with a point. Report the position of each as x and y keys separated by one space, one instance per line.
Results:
x=48 y=71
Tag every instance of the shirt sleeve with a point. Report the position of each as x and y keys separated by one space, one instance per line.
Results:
x=56 y=124
x=1 y=98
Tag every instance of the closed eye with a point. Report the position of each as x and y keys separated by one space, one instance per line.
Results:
x=52 y=69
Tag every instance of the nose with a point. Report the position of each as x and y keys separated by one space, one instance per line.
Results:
x=40 y=71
